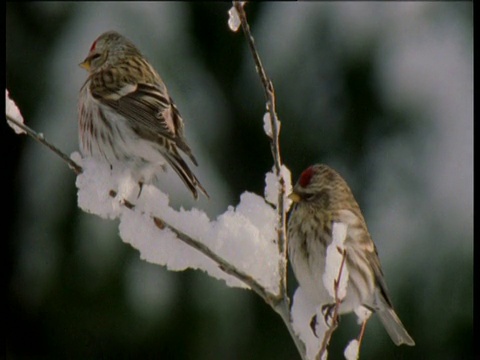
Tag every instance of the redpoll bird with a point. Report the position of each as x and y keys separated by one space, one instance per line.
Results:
x=322 y=197
x=127 y=116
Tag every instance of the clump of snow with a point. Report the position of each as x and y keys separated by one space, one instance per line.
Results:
x=272 y=183
x=302 y=313
x=99 y=187
x=362 y=313
x=334 y=260
x=12 y=110
x=267 y=125
x=351 y=351
x=271 y=188
x=243 y=235
x=303 y=310
x=233 y=18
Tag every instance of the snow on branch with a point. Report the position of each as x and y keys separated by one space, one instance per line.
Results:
x=335 y=279
x=315 y=324
x=233 y=244
x=336 y=276
x=352 y=350
x=233 y=18
x=14 y=117
x=227 y=248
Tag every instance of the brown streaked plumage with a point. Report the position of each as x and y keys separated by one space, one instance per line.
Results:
x=322 y=197
x=126 y=114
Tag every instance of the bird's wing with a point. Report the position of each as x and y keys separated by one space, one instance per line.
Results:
x=149 y=110
x=143 y=105
x=374 y=261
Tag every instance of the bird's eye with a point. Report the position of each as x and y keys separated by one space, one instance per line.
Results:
x=309 y=197
x=94 y=57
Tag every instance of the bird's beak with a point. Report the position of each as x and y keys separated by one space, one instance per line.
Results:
x=294 y=197
x=85 y=64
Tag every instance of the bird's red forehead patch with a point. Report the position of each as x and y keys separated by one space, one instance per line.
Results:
x=94 y=45
x=306 y=177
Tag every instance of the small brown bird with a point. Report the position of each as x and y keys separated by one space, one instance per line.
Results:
x=322 y=197
x=127 y=116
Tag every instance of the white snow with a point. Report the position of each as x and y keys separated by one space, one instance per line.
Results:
x=244 y=235
x=12 y=110
x=267 y=125
x=351 y=351
x=233 y=18
x=302 y=312
x=272 y=184
x=334 y=260
x=362 y=313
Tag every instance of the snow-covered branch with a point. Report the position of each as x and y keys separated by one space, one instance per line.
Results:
x=338 y=288
x=223 y=264
x=315 y=324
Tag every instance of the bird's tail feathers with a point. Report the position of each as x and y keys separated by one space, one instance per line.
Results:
x=184 y=172
x=394 y=327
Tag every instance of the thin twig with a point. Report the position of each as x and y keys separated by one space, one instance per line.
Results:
x=283 y=306
x=362 y=333
x=267 y=84
x=41 y=139
x=328 y=334
x=275 y=147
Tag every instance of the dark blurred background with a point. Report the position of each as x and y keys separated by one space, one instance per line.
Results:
x=383 y=92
